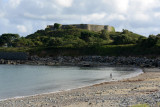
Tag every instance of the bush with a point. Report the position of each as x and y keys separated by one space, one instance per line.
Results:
x=57 y=26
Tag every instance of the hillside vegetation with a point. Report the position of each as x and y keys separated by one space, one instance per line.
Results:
x=73 y=41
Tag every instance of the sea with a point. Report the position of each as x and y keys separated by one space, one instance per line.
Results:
x=27 y=80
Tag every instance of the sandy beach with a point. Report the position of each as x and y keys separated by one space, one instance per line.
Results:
x=143 y=89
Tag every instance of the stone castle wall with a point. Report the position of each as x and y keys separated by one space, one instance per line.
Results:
x=81 y=26
x=87 y=26
x=96 y=27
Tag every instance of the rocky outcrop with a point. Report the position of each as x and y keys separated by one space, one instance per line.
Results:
x=97 y=60
x=88 y=61
x=13 y=62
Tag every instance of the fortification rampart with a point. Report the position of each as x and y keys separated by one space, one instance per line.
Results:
x=90 y=27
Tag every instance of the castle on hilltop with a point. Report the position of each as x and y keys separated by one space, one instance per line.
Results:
x=89 y=27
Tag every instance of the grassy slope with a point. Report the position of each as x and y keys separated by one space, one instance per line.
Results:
x=14 y=49
x=107 y=50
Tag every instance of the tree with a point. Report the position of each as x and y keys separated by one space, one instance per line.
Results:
x=125 y=31
x=105 y=35
x=8 y=38
x=55 y=42
x=23 y=42
x=95 y=42
x=2 y=41
x=57 y=26
x=151 y=41
x=85 y=35
x=158 y=43
x=124 y=39
x=158 y=35
x=141 y=39
x=79 y=43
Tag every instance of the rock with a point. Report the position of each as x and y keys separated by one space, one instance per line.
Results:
x=88 y=61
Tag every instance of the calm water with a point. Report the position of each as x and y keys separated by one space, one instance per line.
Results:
x=24 y=80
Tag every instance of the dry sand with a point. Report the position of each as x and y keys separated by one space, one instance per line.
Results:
x=144 y=88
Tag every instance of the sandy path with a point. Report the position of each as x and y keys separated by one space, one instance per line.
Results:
x=144 y=88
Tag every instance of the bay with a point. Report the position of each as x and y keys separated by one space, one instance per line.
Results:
x=25 y=80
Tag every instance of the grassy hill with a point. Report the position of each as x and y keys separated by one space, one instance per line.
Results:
x=74 y=42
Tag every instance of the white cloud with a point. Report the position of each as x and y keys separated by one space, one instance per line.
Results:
x=144 y=5
x=64 y=3
x=50 y=17
x=120 y=6
x=31 y=15
x=2 y=14
x=141 y=17
x=21 y=28
x=93 y=17
x=14 y=3
x=116 y=17
x=40 y=4
x=157 y=14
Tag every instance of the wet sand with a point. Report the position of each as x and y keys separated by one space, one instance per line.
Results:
x=144 y=88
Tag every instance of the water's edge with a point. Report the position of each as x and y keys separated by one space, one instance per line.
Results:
x=17 y=97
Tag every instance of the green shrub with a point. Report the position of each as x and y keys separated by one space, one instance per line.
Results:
x=57 y=26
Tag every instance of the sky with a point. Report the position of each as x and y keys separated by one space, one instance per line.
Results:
x=27 y=16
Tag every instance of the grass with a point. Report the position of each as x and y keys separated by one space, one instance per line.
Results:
x=110 y=50
x=141 y=105
x=14 y=49
x=105 y=50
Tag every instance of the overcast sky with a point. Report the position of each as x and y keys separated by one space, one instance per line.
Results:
x=27 y=16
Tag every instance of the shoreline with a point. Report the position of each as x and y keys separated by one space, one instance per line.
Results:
x=99 y=94
x=80 y=87
x=148 y=78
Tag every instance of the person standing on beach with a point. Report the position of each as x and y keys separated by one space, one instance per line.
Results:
x=110 y=75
